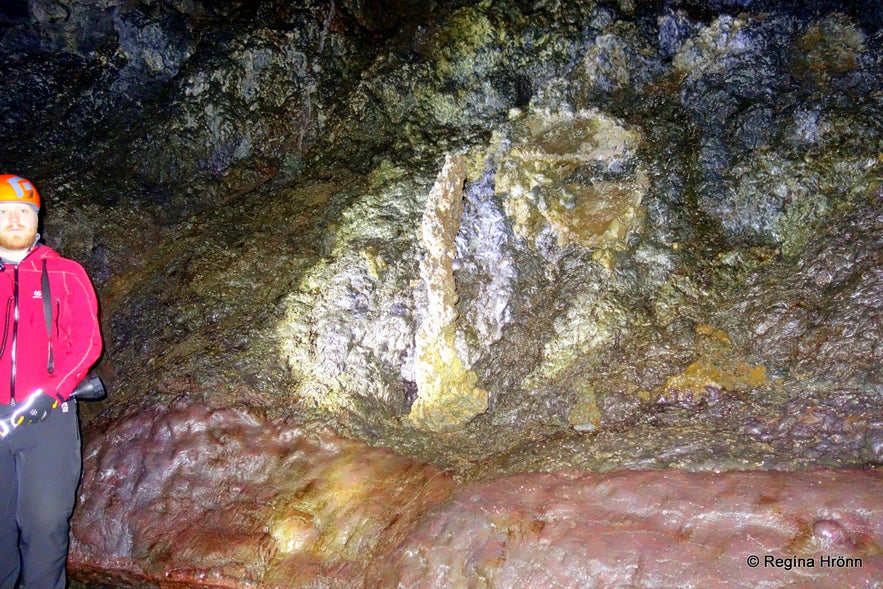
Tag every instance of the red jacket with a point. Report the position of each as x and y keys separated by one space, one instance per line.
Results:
x=76 y=335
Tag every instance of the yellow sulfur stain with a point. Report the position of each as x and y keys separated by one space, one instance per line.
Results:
x=717 y=369
x=567 y=173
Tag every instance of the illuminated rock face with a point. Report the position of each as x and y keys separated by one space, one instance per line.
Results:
x=576 y=175
x=447 y=393
x=718 y=370
x=663 y=252
x=259 y=178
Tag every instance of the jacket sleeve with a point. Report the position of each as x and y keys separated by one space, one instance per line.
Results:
x=77 y=344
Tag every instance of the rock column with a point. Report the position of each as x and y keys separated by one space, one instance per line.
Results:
x=447 y=395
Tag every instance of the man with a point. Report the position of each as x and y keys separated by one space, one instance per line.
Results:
x=49 y=339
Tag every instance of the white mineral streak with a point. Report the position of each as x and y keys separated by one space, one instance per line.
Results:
x=447 y=395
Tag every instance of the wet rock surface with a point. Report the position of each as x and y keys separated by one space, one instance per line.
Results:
x=649 y=529
x=666 y=251
x=195 y=496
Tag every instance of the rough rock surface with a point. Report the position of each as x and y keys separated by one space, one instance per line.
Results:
x=200 y=497
x=195 y=496
x=649 y=529
x=447 y=397
x=668 y=213
x=667 y=253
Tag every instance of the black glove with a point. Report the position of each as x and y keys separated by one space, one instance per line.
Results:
x=35 y=409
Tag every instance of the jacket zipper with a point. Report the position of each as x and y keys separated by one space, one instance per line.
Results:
x=12 y=353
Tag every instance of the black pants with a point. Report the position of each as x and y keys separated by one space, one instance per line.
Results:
x=40 y=467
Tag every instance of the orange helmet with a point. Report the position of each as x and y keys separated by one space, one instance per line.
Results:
x=17 y=189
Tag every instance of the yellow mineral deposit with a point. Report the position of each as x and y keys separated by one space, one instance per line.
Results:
x=448 y=397
x=374 y=261
x=294 y=532
x=717 y=368
x=323 y=517
x=585 y=414
x=557 y=175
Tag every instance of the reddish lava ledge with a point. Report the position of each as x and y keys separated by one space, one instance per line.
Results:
x=194 y=496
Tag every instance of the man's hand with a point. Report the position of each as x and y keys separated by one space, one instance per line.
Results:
x=35 y=409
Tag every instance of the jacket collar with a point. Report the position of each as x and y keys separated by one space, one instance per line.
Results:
x=34 y=248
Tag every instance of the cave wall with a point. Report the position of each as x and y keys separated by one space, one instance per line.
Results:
x=366 y=269
x=656 y=203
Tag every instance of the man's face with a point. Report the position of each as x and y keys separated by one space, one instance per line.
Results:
x=18 y=226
